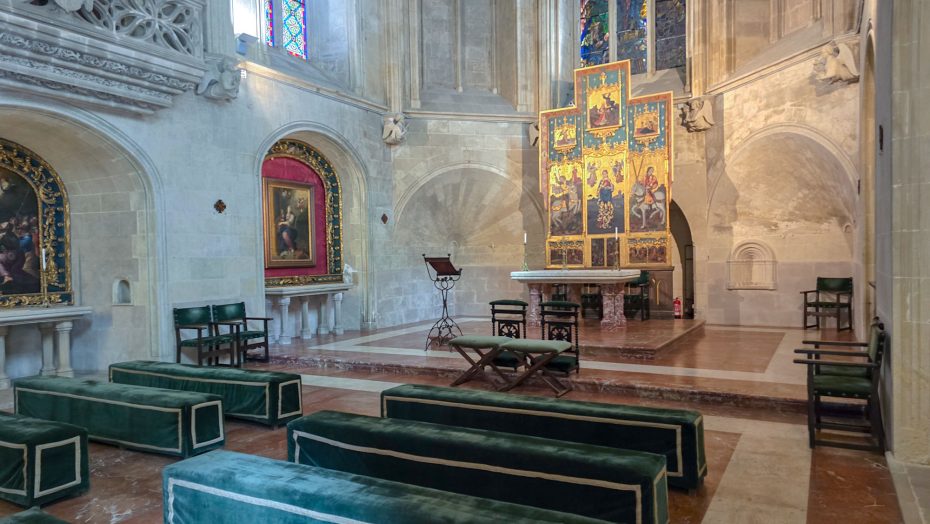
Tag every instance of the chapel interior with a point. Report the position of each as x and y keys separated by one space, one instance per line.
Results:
x=593 y=252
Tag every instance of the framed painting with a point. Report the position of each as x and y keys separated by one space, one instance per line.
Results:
x=289 y=234
x=20 y=232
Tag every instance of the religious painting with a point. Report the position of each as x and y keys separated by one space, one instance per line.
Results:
x=565 y=136
x=604 y=252
x=20 y=254
x=566 y=253
x=289 y=231
x=604 y=199
x=604 y=112
x=648 y=251
x=595 y=33
x=646 y=125
x=648 y=198
x=565 y=194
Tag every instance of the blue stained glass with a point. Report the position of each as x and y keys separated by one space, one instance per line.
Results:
x=294 y=20
x=268 y=23
x=632 y=21
x=671 y=17
x=595 y=31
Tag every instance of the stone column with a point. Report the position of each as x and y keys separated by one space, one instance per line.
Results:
x=48 y=348
x=63 y=330
x=337 y=314
x=4 y=380
x=612 y=295
x=305 y=332
x=532 y=317
x=283 y=305
x=323 y=328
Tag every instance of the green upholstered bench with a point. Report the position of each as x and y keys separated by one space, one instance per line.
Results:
x=41 y=461
x=268 y=397
x=31 y=516
x=597 y=482
x=232 y=488
x=677 y=434
x=181 y=423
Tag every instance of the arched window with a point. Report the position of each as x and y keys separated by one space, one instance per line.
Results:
x=293 y=26
x=651 y=34
x=751 y=266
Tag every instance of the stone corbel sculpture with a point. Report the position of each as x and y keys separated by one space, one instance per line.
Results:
x=348 y=274
x=68 y=5
x=221 y=81
x=697 y=115
x=837 y=63
x=532 y=133
x=394 y=130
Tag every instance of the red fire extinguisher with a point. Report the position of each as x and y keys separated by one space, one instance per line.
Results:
x=676 y=305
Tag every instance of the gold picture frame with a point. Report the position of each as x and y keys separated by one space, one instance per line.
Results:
x=289 y=223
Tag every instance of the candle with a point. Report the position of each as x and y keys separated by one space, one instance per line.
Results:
x=43 y=259
x=524 y=238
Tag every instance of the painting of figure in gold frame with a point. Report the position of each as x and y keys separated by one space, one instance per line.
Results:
x=20 y=250
x=289 y=234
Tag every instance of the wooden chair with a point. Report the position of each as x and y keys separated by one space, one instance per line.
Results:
x=559 y=321
x=592 y=301
x=208 y=343
x=830 y=299
x=636 y=296
x=233 y=316
x=854 y=376
x=508 y=319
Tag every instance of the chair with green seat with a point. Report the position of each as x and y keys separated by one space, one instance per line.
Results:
x=636 y=296
x=209 y=345
x=856 y=375
x=508 y=319
x=830 y=299
x=559 y=321
x=233 y=316
x=592 y=301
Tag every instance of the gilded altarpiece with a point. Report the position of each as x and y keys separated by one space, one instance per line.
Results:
x=606 y=172
x=35 y=223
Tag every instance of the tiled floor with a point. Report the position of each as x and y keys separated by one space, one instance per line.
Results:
x=760 y=469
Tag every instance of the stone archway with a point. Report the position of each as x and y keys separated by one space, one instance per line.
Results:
x=113 y=215
x=681 y=235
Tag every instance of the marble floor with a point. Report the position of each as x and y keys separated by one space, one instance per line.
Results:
x=760 y=469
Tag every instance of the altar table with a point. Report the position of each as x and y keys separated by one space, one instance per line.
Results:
x=610 y=280
x=55 y=325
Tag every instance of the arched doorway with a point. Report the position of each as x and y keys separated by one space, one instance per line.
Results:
x=681 y=235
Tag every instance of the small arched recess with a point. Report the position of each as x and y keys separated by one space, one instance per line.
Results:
x=751 y=266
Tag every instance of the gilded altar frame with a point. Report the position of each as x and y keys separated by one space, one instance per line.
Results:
x=53 y=227
x=333 y=203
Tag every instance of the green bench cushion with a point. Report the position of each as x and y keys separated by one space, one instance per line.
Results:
x=608 y=484
x=562 y=364
x=31 y=516
x=41 y=461
x=531 y=345
x=509 y=302
x=478 y=341
x=840 y=386
x=508 y=360
x=264 y=396
x=677 y=434
x=560 y=304
x=844 y=371
x=212 y=489
x=181 y=423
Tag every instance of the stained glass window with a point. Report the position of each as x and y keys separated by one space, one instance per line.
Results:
x=595 y=33
x=670 y=24
x=632 y=23
x=294 y=22
x=268 y=24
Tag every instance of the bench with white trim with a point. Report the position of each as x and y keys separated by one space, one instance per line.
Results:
x=41 y=461
x=181 y=423
x=678 y=434
x=593 y=481
x=223 y=487
x=269 y=397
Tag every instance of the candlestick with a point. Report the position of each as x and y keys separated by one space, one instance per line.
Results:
x=44 y=262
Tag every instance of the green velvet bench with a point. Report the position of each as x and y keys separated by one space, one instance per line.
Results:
x=41 y=461
x=31 y=516
x=268 y=397
x=181 y=423
x=677 y=434
x=593 y=481
x=223 y=487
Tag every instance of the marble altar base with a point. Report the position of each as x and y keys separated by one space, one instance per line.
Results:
x=611 y=281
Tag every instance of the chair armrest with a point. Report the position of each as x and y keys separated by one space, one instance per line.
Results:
x=835 y=343
x=867 y=365
x=229 y=322
x=192 y=326
x=808 y=291
x=831 y=352
x=258 y=318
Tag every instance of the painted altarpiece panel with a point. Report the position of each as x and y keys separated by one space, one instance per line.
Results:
x=615 y=153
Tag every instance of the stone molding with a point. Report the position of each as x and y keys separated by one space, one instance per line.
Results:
x=57 y=56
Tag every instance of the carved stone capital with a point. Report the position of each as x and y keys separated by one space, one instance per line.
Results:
x=394 y=129
x=221 y=81
x=697 y=114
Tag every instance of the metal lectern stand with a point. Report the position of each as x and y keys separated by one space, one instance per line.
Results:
x=444 y=276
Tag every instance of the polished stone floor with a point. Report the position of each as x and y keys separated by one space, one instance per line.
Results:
x=760 y=469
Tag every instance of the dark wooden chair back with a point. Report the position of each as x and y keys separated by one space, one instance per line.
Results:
x=559 y=321
x=508 y=318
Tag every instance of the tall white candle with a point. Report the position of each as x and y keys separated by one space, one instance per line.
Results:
x=43 y=259
x=524 y=238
